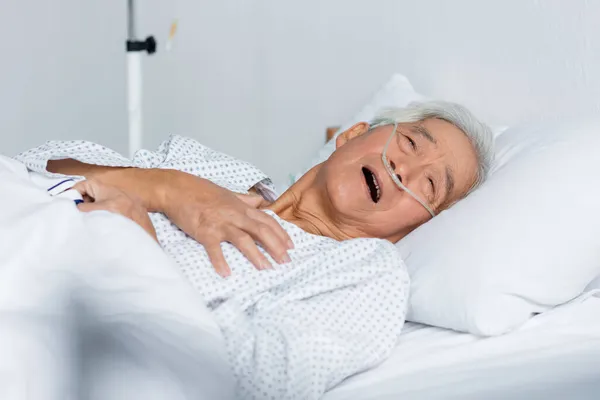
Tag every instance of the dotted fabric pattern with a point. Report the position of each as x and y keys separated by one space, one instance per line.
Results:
x=294 y=331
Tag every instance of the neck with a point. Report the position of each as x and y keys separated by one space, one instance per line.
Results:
x=305 y=207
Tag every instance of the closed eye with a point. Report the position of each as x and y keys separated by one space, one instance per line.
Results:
x=432 y=184
x=412 y=143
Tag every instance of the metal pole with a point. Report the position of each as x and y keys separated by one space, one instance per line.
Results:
x=134 y=87
x=130 y=20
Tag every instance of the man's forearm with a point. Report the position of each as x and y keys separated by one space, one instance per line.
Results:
x=73 y=167
x=160 y=190
x=149 y=185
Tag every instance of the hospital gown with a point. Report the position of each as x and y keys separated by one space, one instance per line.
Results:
x=291 y=332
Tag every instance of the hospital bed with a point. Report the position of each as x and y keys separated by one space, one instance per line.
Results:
x=158 y=345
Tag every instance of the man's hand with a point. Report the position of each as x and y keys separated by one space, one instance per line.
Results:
x=208 y=213
x=99 y=196
x=211 y=215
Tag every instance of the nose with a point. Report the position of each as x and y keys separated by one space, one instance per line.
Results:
x=405 y=170
x=393 y=165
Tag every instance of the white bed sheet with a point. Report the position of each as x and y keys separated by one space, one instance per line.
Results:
x=554 y=356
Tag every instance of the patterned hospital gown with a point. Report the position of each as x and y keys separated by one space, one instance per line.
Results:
x=292 y=332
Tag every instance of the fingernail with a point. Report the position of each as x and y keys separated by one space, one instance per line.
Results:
x=265 y=265
x=223 y=273
x=286 y=259
x=290 y=244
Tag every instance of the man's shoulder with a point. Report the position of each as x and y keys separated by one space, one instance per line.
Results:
x=189 y=155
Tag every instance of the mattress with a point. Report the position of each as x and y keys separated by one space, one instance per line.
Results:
x=556 y=355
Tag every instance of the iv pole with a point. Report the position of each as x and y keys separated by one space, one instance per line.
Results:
x=135 y=48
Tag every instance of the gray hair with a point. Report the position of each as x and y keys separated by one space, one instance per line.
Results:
x=478 y=133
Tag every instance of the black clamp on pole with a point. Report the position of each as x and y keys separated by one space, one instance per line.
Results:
x=148 y=45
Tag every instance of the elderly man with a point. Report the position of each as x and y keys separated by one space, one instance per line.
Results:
x=324 y=294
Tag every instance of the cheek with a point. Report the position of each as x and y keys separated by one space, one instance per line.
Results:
x=400 y=220
x=365 y=146
x=343 y=188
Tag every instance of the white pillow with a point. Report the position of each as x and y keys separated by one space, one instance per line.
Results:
x=396 y=92
x=526 y=241
x=594 y=285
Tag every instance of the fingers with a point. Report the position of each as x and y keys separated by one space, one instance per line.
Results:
x=215 y=254
x=263 y=234
x=93 y=190
x=87 y=207
x=106 y=205
x=274 y=225
x=140 y=217
x=253 y=200
x=86 y=189
x=246 y=244
x=266 y=230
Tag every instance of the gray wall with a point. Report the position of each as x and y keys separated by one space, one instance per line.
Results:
x=261 y=79
x=62 y=72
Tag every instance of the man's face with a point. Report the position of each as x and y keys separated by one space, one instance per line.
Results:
x=433 y=158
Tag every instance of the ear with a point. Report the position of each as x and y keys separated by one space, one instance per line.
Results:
x=354 y=131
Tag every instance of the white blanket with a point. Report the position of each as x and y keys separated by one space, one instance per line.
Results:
x=91 y=308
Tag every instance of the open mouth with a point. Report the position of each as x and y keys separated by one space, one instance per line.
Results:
x=374 y=188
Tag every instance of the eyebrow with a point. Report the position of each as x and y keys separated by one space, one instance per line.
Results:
x=449 y=181
x=421 y=130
